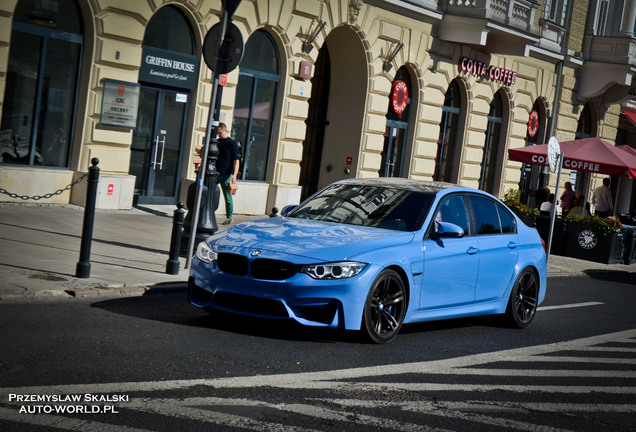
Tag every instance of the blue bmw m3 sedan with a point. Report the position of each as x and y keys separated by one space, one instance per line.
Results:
x=374 y=254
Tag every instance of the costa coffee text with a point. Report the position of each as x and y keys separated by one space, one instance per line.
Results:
x=494 y=73
x=569 y=164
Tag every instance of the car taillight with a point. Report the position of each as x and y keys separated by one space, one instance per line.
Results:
x=545 y=248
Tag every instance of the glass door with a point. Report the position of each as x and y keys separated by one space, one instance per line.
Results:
x=393 y=154
x=157 y=145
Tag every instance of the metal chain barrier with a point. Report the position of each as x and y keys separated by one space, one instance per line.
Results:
x=45 y=196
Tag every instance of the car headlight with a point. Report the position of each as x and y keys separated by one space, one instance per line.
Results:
x=334 y=270
x=205 y=253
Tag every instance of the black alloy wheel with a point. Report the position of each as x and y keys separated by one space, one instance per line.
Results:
x=384 y=308
x=524 y=297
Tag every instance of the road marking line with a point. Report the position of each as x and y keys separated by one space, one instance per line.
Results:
x=560 y=373
x=569 y=306
x=182 y=409
x=435 y=387
x=442 y=409
x=524 y=354
x=321 y=412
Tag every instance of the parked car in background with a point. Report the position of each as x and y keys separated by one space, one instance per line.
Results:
x=374 y=254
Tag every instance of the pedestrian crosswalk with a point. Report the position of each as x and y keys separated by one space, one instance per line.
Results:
x=578 y=385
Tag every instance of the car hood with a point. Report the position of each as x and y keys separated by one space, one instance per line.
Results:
x=317 y=240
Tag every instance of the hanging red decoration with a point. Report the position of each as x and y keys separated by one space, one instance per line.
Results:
x=399 y=97
x=533 y=123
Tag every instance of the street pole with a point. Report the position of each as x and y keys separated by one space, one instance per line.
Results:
x=554 y=208
x=212 y=126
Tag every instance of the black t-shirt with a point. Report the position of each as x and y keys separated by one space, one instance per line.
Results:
x=228 y=153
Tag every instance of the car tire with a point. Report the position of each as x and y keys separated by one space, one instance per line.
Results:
x=523 y=301
x=384 y=308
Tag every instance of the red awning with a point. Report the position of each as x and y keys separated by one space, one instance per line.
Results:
x=588 y=154
x=628 y=149
x=630 y=115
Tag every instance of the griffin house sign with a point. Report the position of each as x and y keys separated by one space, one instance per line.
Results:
x=169 y=68
x=493 y=73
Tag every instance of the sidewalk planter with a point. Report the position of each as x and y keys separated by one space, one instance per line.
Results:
x=583 y=243
x=559 y=233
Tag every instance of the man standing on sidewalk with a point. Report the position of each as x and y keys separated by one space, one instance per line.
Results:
x=602 y=199
x=227 y=166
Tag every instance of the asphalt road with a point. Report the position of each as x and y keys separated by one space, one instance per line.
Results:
x=161 y=364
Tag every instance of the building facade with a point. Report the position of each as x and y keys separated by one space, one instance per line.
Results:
x=325 y=90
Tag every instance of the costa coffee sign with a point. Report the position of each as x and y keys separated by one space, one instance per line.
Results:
x=494 y=73
x=569 y=164
x=399 y=96
x=533 y=123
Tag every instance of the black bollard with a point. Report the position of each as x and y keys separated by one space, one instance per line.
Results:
x=274 y=212
x=172 y=265
x=83 y=269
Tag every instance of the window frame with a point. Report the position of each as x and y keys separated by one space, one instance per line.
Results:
x=257 y=76
x=498 y=206
x=447 y=112
x=45 y=34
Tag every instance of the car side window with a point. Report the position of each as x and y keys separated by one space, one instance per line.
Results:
x=453 y=210
x=486 y=215
x=507 y=222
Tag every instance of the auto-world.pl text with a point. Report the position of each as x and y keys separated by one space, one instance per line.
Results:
x=68 y=404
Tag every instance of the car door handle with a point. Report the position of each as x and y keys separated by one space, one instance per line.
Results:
x=472 y=250
x=513 y=245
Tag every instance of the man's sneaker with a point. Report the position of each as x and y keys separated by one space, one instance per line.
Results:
x=228 y=221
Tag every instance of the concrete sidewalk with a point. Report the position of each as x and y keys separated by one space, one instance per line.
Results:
x=40 y=249
x=40 y=244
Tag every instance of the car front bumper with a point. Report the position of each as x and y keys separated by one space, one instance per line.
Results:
x=311 y=302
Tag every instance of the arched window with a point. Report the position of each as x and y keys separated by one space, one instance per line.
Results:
x=396 y=126
x=447 y=142
x=535 y=134
x=169 y=30
x=41 y=87
x=164 y=105
x=491 y=144
x=584 y=125
x=255 y=103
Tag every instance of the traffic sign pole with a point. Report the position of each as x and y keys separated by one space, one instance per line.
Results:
x=555 y=156
x=228 y=10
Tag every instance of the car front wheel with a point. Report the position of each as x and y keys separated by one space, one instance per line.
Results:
x=384 y=308
x=522 y=304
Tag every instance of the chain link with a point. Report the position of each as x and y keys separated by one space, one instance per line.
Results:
x=45 y=196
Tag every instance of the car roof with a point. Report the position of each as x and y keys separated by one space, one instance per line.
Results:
x=431 y=187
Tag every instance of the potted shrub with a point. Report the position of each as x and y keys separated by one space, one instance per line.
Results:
x=595 y=239
x=527 y=214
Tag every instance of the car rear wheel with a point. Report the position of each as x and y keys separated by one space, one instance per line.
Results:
x=384 y=308
x=522 y=304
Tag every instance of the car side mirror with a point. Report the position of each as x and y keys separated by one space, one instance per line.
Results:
x=447 y=230
x=287 y=209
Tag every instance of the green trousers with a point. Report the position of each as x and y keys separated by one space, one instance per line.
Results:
x=223 y=181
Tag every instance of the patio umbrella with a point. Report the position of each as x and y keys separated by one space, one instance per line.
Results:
x=588 y=154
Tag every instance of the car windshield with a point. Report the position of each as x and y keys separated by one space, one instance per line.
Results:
x=367 y=205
